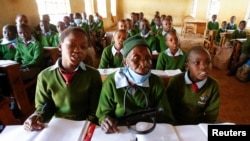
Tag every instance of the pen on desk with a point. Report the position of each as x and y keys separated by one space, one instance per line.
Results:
x=39 y=114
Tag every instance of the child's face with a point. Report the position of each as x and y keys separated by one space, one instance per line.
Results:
x=22 y=20
x=24 y=33
x=139 y=60
x=166 y=25
x=214 y=17
x=242 y=26
x=119 y=38
x=9 y=33
x=44 y=26
x=172 y=42
x=157 y=21
x=73 y=49
x=224 y=25
x=122 y=25
x=60 y=27
x=144 y=27
x=128 y=24
x=198 y=64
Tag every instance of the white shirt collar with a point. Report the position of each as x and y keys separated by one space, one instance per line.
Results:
x=178 y=53
x=163 y=33
x=188 y=81
x=5 y=41
x=114 y=50
x=56 y=65
x=145 y=36
x=121 y=80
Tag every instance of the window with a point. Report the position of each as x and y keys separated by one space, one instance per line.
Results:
x=194 y=8
x=214 y=7
x=248 y=16
x=102 y=8
x=113 y=7
x=89 y=6
x=56 y=9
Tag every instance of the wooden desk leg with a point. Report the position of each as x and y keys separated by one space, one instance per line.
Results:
x=18 y=89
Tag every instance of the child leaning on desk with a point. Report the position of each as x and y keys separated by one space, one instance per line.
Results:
x=69 y=89
x=134 y=85
x=193 y=95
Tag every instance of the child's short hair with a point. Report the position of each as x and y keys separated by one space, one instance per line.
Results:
x=197 y=49
x=224 y=22
x=243 y=22
x=24 y=26
x=69 y=30
x=10 y=27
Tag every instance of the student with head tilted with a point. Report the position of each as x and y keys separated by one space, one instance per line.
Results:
x=136 y=84
x=240 y=32
x=112 y=54
x=46 y=36
x=130 y=30
x=194 y=96
x=173 y=57
x=70 y=79
x=60 y=26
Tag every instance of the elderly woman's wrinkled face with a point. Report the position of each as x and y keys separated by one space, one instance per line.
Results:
x=139 y=59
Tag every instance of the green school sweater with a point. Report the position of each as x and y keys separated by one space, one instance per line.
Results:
x=151 y=41
x=212 y=26
x=165 y=62
x=111 y=99
x=47 y=40
x=246 y=47
x=108 y=60
x=236 y=34
x=7 y=53
x=30 y=55
x=76 y=101
x=189 y=107
x=234 y=27
x=217 y=36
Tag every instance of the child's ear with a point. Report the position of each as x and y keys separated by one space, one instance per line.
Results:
x=124 y=62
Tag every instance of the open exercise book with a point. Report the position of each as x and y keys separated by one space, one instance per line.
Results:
x=162 y=132
x=58 y=129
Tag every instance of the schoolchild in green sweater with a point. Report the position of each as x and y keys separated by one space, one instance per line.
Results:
x=173 y=57
x=29 y=53
x=8 y=42
x=240 y=33
x=213 y=24
x=221 y=30
x=112 y=54
x=135 y=84
x=167 y=27
x=231 y=25
x=157 y=27
x=60 y=26
x=73 y=88
x=46 y=36
x=130 y=30
x=194 y=96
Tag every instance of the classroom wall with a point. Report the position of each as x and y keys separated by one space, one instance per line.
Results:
x=177 y=8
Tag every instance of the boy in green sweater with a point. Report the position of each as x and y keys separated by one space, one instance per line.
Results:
x=8 y=42
x=112 y=54
x=73 y=88
x=173 y=57
x=134 y=84
x=46 y=36
x=29 y=53
x=193 y=95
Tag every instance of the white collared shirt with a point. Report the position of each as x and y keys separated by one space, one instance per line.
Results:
x=81 y=65
x=114 y=50
x=178 y=53
x=188 y=81
x=144 y=36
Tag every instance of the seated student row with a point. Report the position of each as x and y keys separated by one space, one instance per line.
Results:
x=74 y=88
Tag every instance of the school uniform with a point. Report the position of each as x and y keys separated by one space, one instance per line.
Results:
x=47 y=39
x=7 y=49
x=111 y=58
x=156 y=29
x=56 y=40
x=212 y=25
x=231 y=26
x=113 y=92
x=190 y=106
x=131 y=32
x=74 y=98
x=31 y=58
x=166 y=60
x=151 y=41
x=162 y=40
x=239 y=34
x=246 y=48
x=217 y=36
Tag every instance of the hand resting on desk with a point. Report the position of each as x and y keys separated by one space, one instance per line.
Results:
x=109 y=125
x=34 y=123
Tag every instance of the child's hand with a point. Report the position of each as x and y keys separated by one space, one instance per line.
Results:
x=34 y=123
x=109 y=125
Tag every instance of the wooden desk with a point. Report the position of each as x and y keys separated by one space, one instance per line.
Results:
x=237 y=49
x=11 y=68
x=200 y=26
x=224 y=37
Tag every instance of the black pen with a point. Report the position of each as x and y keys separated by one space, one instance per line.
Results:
x=39 y=114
